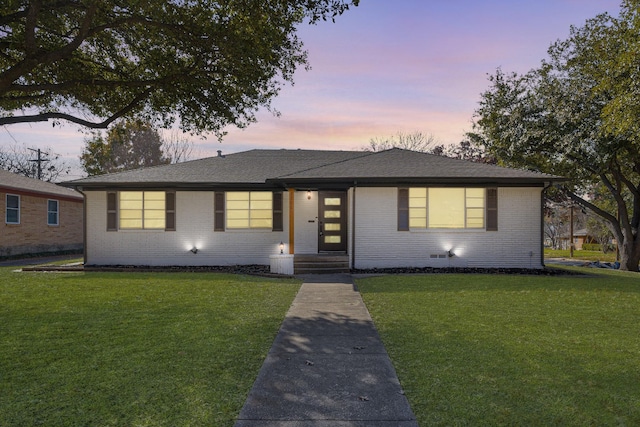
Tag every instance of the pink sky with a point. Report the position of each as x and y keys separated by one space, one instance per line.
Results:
x=382 y=68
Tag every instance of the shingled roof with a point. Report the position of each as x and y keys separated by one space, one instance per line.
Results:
x=10 y=181
x=288 y=167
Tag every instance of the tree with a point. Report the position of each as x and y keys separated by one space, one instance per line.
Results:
x=416 y=141
x=128 y=145
x=204 y=64
x=559 y=119
x=23 y=161
x=466 y=149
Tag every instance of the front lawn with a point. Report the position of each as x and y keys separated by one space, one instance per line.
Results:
x=513 y=350
x=133 y=349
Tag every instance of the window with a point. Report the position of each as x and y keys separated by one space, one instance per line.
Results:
x=52 y=212
x=142 y=210
x=442 y=208
x=13 y=209
x=249 y=209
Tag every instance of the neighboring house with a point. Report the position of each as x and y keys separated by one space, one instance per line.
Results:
x=580 y=237
x=394 y=208
x=38 y=216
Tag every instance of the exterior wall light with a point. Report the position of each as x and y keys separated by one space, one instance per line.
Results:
x=281 y=248
x=194 y=250
x=308 y=194
x=450 y=253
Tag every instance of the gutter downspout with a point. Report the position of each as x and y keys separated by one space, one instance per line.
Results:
x=542 y=198
x=84 y=225
x=353 y=226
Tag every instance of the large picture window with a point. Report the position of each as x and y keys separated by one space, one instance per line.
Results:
x=13 y=209
x=249 y=209
x=142 y=210
x=446 y=207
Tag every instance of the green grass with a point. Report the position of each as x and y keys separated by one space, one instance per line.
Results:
x=513 y=350
x=582 y=255
x=135 y=349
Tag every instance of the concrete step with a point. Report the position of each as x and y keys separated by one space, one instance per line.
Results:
x=321 y=264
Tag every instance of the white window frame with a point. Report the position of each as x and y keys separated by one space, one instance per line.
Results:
x=6 y=215
x=425 y=214
x=250 y=211
x=143 y=226
x=57 y=212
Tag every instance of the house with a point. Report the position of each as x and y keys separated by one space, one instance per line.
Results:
x=39 y=217
x=394 y=208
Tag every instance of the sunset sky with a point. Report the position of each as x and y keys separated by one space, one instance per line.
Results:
x=385 y=67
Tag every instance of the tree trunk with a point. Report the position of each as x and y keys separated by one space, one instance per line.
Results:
x=629 y=247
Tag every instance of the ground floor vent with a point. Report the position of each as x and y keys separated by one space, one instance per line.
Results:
x=321 y=263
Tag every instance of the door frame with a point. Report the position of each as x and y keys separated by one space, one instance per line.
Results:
x=341 y=247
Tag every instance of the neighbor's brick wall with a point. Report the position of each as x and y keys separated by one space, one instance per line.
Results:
x=33 y=235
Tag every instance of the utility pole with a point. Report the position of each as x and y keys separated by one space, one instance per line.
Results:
x=571 y=232
x=39 y=160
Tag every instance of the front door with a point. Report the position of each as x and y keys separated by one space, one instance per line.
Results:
x=332 y=221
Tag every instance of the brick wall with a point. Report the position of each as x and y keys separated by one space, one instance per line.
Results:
x=33 y=234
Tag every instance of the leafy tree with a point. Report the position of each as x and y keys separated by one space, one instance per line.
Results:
x=563 y=118
x=128 y=145
x=22 y=160
x=205 y=64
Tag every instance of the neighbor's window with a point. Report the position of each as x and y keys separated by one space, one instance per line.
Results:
x=142 y=210
x=52 y=212
x=13 y=209
x=249 y=209
x=446 y=207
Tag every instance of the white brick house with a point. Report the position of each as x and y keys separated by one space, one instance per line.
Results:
x=394 y=208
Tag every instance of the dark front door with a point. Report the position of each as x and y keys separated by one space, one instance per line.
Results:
x=332 y=221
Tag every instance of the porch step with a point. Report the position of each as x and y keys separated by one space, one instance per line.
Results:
x=320 y=264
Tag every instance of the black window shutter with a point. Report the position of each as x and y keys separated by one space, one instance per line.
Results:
x=403 y=209
x=492 y=209
x=277 y=212
x=170 y=211
x=112 y=211
x=218 y=211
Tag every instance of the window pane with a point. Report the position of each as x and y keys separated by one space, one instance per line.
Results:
x=236 y=214
x=332 y=227
x=260 y=195
x=52 y=205
x=332 y=201
x=154 y=204
x=261 y=223
x=131 y=204
x=13 y=201
x=52 y=218
x=131 y=214
x=475 y=192
x=332 y=239
x=237 y=223
x=130 y=195
x=154 y=223
x=446 y=207
x=261 y=214
x=332 y=214
x=261 y=204
x=238 y=195
x=238 y=204
x=12 y=216
x=130 y=223
x=417 y=222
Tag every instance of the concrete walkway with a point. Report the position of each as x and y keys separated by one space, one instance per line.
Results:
x=327 y=366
